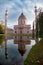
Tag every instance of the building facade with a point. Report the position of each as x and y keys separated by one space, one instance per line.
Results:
x=22 y=28
x=10 y=31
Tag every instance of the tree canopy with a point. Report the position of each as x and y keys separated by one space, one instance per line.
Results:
x=40 y=21
x=1 y=29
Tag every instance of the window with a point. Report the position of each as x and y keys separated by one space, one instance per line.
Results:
x=15 y=32
x=27 y=31
x=20 y=31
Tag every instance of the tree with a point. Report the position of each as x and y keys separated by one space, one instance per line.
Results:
x=40 y=21
x=1 y=29
x=37 y=30
x=33 y=31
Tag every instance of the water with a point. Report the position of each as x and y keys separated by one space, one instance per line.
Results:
x=14 y=51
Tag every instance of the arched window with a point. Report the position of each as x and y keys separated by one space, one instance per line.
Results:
x=20 y=31
x=15 y=32
x=27 y=31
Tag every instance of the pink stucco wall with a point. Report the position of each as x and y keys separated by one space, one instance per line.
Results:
x=25 y=29
x=22 y=28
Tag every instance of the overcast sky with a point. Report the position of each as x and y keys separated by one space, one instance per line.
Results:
x=15 y=8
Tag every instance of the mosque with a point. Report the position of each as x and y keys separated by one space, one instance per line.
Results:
x=22 y=28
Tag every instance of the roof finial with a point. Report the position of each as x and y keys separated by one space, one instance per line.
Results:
x=22 y=10
x=36 y=3
x=35 y=7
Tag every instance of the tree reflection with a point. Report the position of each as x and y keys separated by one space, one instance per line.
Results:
x=22 y=42
x=1 y=40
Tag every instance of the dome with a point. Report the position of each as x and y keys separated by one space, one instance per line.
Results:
x=21 y=52
x=22 y=16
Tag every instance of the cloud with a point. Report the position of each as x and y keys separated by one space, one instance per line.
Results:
x=15 y=8
x=9 y=5
x=39 y=5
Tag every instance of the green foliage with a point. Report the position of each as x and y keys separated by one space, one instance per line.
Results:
x=37 y=28
x=1 y=29
x=35 y=56
x=40 y=20
x=33 y=35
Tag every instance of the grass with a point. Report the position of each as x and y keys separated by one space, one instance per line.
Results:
x=5 y=34
x=35 y=57
x=15 y=35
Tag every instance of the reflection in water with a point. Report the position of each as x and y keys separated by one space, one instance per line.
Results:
x=14 y=53
x=1 y=40
x=6 y=50
x=22 y=42
x=22 y=38
x=21 y=47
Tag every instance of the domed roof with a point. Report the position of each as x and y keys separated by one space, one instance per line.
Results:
x=22 y=16
x=21 y=52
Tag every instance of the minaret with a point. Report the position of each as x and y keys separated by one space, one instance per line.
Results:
x=36 y=23
x=6 y=17
x=35 y=12
x=35 y=16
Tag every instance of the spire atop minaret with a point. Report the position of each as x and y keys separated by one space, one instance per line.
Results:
x=22 y=10
x=35 y=7
x=6 y=12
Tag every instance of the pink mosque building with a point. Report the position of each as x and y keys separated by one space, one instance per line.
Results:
x=22 y=28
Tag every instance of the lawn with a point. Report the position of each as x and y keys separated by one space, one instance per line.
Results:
x=35 y=57
x=15 y=35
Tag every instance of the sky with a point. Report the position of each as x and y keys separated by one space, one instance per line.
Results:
x=16 y=7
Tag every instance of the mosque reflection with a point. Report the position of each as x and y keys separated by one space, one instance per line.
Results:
x=19 y=40
x=21 y=47
x=9 y=50
x=22 y=42
x=22 y=38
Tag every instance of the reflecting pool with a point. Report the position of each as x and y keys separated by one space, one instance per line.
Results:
x=14 y=50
